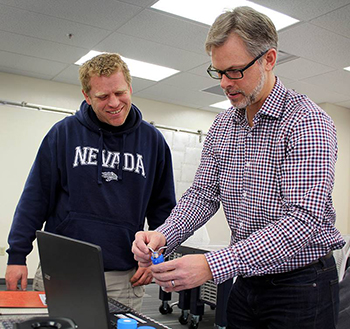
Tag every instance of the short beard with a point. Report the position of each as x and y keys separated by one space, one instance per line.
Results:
x=252 y=97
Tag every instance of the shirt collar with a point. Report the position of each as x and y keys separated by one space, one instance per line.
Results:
x=274 y=103
x=272 y=106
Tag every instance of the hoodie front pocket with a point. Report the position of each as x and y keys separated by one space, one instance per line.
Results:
x=114 y=238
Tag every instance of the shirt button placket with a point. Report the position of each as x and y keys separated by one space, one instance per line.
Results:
x=246 y=174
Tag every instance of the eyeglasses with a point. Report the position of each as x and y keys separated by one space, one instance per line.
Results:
x=233 y=74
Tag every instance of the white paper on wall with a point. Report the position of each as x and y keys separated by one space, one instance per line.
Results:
x=186 y=149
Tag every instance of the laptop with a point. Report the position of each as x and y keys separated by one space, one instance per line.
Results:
x=75 y=285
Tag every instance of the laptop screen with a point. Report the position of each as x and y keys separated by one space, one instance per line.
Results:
x=74 y=280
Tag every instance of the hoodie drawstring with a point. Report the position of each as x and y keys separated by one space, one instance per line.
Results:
x=99 y=161
x=121 y=159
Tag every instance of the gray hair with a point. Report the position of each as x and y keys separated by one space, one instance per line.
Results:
x=254 y=28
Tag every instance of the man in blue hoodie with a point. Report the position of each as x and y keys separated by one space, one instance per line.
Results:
x=97 y=176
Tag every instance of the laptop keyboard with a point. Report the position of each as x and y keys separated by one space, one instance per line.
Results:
x=9 y=321
x=116 y=307
x=119 y=311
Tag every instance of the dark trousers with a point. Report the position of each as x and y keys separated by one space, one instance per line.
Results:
x=306 y=298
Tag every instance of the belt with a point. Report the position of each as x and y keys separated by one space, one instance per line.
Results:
x=329 y=255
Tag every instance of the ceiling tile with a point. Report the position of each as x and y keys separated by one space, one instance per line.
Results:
x=336 y=21
x=151 y=52
x=201 y=69
x=162 y=28
x=285 y=80
x=300 y=69
x=34 y=65
x=39 y=48
x=301 y=9
x=32 y=74
x=316 y=94
x=340 y=81
x=41 y=26
x=141 y=3
x=172 y=94
x=139 y=84
x=69 y=75
x=105 y=14
x=316 y=44
x=189 y=81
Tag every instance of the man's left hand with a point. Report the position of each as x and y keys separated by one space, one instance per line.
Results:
x=142 y=276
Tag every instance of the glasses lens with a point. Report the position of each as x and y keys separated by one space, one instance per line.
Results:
x=214 y=74
x=231 y=74
x=234 y=74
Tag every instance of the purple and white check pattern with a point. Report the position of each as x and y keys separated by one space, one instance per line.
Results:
x=274 y=181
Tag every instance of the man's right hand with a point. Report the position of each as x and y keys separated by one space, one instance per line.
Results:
x=15 y=273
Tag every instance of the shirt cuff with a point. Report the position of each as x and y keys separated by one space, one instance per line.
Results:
x=222 y=264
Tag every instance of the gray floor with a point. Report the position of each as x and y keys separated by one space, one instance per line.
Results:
x=151 y=304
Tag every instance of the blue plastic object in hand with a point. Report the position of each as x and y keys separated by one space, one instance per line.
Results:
x=156 y=257
x=157 y=260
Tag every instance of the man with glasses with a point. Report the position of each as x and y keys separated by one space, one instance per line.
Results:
x=270 y=161
x=97 y=176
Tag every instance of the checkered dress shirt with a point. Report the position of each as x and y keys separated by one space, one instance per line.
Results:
x=274 y=181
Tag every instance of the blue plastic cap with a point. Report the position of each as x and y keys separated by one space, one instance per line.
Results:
x=126 y=324
x=158 y=260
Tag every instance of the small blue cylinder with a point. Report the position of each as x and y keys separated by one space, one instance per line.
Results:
x=126 y=324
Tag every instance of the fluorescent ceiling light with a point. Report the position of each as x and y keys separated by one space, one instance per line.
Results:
x=347 y=68
x=88 y=56
x=137 y=69
x=222 y=105
x=205 y=11
x=148 y=71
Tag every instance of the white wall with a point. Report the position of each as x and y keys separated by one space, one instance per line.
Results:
x=22 y=131
x=19 y=141
x=341 y=193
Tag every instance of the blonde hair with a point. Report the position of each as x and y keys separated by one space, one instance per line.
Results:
x=102 y=65
x=254 y=28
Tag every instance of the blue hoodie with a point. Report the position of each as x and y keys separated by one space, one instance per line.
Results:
x=95 y=185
